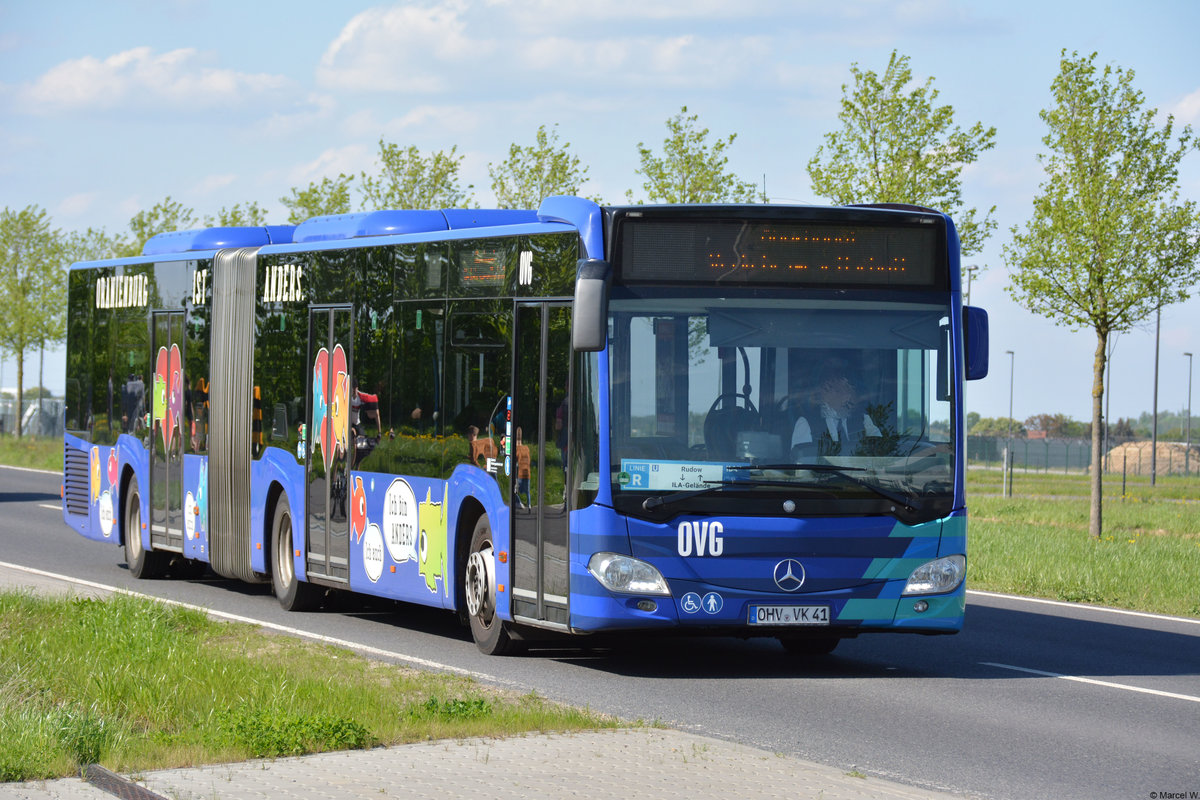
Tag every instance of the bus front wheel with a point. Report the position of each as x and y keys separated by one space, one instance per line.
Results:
x=142 y=563
x=293 y=593
x=491 y=634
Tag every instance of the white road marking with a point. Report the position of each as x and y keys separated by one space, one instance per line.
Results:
x=1094 y=682
x=29 y=469
x=356 y=646
x=1105 y=609
x=52 y=508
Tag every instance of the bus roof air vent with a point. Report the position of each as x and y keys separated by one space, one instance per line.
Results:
x=369 y=223
x=401 y=221
x=216 y=239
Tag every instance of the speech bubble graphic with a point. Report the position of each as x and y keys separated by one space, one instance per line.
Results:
x=105 y=509
x=372 y=550
x=400 y=521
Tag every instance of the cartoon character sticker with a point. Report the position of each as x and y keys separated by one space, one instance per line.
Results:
x=358 y=508
x=202 y=496
x=94 y=458
x=432 y=546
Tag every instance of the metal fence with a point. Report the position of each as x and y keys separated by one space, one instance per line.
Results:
x=1124 y=456
x=38 y=418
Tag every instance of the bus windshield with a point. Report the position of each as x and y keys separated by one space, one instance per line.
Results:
x=723 y=403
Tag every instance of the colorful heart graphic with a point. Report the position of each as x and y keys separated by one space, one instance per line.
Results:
x=112 y=467
x=331 y=403
x=168 y=392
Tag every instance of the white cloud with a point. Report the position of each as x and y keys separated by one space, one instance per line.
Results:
x=1187 y=110
x=141 y=77
x=404 y=48
x=213 y=183
x=77 y=204
x=348 y=160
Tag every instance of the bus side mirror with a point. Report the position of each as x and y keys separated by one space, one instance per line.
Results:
x=589 y=323
x=975 y=341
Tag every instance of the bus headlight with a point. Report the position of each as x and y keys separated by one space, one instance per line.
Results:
x=937 y=577
x=620 y=573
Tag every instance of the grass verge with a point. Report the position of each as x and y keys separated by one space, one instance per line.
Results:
x=31 y=452
x=1147 y=560
x=135 y=685
x=1077 y=484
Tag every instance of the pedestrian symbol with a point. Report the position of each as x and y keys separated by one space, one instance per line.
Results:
x=713 y=603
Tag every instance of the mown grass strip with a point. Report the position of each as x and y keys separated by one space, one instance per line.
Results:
x=1147 y=560
x=136 y=685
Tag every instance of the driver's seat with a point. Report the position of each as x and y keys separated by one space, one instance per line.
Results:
x=722 y=426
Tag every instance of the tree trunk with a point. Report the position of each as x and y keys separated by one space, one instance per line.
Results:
x=1095 y=521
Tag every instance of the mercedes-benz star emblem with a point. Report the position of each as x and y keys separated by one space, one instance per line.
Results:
x=789 y=574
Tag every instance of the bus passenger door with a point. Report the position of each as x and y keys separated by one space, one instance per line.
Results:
x=166 y=448
x=331 y=334
x=539 y=466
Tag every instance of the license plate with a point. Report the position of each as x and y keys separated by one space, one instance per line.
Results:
x=789 y=615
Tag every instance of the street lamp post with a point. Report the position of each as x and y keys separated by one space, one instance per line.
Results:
x=1187 y=452
x=1012 y=361
x=1154 y=426
x=970 y=270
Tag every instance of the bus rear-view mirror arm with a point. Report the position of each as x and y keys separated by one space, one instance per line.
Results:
x=589 y=326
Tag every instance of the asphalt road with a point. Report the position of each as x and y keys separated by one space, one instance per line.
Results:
x=1032 y=700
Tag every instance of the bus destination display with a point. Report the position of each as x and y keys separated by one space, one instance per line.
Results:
x=809 y=253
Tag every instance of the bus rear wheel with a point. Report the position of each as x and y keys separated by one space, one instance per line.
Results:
x=293 y=594
x=142 y=563
x=491 y=634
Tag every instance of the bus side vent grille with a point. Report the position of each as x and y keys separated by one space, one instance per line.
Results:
x=231 y=393
x=75 y=480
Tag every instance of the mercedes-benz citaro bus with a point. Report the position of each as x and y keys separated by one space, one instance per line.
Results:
x=735 y=419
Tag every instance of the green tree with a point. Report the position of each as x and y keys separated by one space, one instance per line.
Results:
x=532 y=173
x=251 y=215
x=690 y=170
x=1108 y=241
x=33 y=287
x=166 y=215
x=408 y=180
x=896 y=145
x=91 y=245
x=330 y=196
x=998 y=426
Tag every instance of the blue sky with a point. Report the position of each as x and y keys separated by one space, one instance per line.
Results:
x=106 y=108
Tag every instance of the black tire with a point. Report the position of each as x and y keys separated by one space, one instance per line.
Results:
x=293 y=593
x=142 y=563
x=492 y=635
x=809 y=645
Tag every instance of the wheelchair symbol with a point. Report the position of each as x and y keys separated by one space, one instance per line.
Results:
x=690 y=603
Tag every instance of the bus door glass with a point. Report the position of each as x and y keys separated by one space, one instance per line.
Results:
x=329 y=379
x=166 y=450
x=539 y=462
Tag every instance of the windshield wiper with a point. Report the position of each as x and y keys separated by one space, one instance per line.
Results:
x=651 y=503
x=909 y=503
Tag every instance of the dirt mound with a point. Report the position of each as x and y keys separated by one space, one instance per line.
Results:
x=1134 y=458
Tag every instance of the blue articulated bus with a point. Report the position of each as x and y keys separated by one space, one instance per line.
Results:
x=740 y=420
